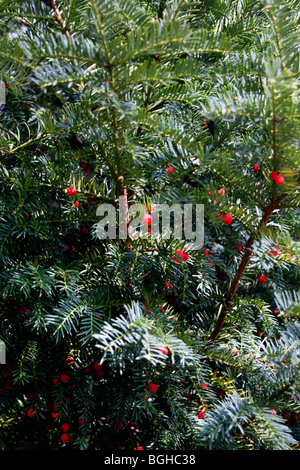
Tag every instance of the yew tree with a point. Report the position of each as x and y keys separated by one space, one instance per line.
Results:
x=142 y=342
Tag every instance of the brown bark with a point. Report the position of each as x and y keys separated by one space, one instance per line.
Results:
x=240 y=271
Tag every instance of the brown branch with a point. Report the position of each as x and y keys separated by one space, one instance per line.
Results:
x=240 y=271
x=60 y=18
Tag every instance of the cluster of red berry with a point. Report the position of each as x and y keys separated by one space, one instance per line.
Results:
x=276 y=177
x=64 y=378
x=84 y=166
x=72 y=192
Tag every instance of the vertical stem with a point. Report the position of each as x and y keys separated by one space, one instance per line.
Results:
x=240 y=271
x=60 y=18
x=110 y=68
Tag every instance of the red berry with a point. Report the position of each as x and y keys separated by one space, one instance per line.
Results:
x=227 y=219
x=153 y=387
x=70 y=360
x=72 y=191
x=140 y=448
x=276 y=312
x=64 y=437
x=76 y=203
x=170 y=169
x=168 y=285
x=64 y=378
x=31 y=397
x=96 y=366
x=85 y=231
x=55 y=381
x=279 y=179
x=181 y=255
x=65 y=427
x=54 y=415
x=262 y=278
x=87 y=370
x=23 y=310
x=221 y=191
x=147 y=311
x=31 y=412
x=81 y=421
x=147 y=219
x=220 y=394
x=256 y=167
x=273 y=412
x=5 y=373
x=164 y=350
x=286 y=416
x=273 y=175
x=201 y=414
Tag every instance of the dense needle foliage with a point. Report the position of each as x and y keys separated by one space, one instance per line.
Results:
x=121 y=343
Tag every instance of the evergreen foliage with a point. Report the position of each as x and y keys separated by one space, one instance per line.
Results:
x=120 y=339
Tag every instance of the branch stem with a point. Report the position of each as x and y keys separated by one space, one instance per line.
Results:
x=240 y=271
